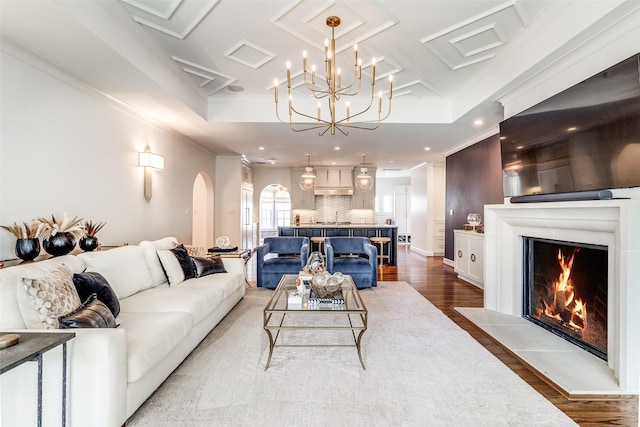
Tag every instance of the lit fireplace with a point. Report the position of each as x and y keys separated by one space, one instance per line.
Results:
x=566 y=291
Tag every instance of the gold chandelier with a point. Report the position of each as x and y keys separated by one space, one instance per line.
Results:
x=333 y=91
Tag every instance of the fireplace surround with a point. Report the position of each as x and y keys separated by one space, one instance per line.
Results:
x=614 y=224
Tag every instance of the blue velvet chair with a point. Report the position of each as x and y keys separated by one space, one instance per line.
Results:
x=355 y=256
x=278 y=256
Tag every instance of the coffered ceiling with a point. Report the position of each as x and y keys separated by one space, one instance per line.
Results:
x=206 y=68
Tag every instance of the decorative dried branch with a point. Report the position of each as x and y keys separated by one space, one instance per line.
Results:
x=91 y=228
x=53 y=226
x=25 y=230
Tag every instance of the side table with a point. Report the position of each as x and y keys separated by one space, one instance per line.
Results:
x=31 y=347
x=244 y=254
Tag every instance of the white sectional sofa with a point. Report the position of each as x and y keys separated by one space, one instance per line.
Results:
x=111 y=372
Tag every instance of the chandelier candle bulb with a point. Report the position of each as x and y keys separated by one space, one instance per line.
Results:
x=373 y=71
x=331 y=87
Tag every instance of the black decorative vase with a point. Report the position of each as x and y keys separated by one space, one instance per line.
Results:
x=60 y=244
x=27 y=249
x=88 y=243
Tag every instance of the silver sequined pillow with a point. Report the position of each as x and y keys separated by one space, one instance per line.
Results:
x=52 y=296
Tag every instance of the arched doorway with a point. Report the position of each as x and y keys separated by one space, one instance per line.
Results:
x=275 y=210
x=202 y=209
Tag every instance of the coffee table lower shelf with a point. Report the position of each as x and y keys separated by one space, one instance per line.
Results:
x=277 y=310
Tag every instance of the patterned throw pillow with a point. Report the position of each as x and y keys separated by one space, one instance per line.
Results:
x=198 y=251
x=52 y=296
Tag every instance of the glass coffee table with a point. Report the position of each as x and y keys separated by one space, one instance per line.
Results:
x=278 y=309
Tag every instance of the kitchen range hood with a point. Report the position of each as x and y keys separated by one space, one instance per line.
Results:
x=333 y=191
x=334 y=181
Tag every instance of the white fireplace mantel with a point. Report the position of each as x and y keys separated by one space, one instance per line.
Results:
x=613 y=223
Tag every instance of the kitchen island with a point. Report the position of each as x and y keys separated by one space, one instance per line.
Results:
x=347 y=230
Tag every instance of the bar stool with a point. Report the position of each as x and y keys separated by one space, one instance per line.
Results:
x=317 y=240
x=382 y=242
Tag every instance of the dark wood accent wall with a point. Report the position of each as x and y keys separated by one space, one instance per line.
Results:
x=474 y=179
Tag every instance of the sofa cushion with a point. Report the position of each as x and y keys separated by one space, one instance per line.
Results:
x=46 y=298
x=151 y=337
x=206 y=266
x=93 y=313
x=92 y=282
x=125 y=269
x=197 y=302
x=150 y=248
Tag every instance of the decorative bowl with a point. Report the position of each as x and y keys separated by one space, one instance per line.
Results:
x=324 y=285
x=315 y=263
x=474 y=219
x=223 y=242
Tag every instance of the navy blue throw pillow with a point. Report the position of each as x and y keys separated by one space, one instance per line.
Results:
x=89 y=283
x=185 y=261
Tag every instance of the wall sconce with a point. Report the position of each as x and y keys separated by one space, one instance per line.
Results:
x=148 y=161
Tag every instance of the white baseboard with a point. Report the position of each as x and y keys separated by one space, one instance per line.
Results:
x=418 y=250
x=447 y=261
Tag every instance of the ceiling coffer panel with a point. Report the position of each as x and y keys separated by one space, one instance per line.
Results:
x=176 y=18
x=476 y=39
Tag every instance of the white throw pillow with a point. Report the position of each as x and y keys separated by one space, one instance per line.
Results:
x=151 y=256
x=46 y=298
x=171 y=267
x=125 y=268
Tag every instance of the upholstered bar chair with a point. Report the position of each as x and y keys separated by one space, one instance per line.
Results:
x=355 y=256
x=278 y=256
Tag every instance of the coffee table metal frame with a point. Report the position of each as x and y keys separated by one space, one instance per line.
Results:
x=277 y=310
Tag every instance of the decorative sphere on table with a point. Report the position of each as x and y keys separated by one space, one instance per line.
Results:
x=223 y=242
x=315 y=263
x=474 y=219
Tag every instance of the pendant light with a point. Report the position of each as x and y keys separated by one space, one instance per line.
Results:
x=364 y=181
x=308 y=179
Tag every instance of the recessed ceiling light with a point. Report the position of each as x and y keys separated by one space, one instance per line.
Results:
x=478 y=122
x=333 y=163
x=571 y=129
x=427 y=148
x=235 y=88
x=260 y=148
x=502 y=138
x=520 y=147
x=336 y=148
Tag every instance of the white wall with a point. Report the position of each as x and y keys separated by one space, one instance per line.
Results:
x=427 y=206
x=263 y=177
x=384 y=196
x=66 y=148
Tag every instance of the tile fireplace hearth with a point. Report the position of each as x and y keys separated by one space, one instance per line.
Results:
x=612 y=224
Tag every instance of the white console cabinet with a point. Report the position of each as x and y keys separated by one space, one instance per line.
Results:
x=469 y=260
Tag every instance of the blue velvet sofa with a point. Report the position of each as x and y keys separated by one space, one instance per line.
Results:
x=355 y=256
x=278 y=256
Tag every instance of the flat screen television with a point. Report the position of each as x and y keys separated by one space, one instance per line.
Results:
x=577 y=143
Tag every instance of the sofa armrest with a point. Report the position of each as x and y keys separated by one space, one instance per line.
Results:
x=96 y=385
x=372 y=252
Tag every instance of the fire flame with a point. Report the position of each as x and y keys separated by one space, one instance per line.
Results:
x=565 y=307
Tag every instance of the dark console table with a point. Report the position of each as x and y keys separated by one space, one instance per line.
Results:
x=31 y=347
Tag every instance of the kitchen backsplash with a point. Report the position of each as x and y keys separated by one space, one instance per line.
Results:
x=326 y=208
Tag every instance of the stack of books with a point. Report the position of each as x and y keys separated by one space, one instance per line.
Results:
x=338 y=299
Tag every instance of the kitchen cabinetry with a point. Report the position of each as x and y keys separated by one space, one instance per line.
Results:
x=300 y=199
x=469 y=259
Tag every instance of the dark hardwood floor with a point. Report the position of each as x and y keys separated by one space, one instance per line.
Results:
x=440 y=285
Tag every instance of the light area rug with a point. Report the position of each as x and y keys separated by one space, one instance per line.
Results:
x=421 y=370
